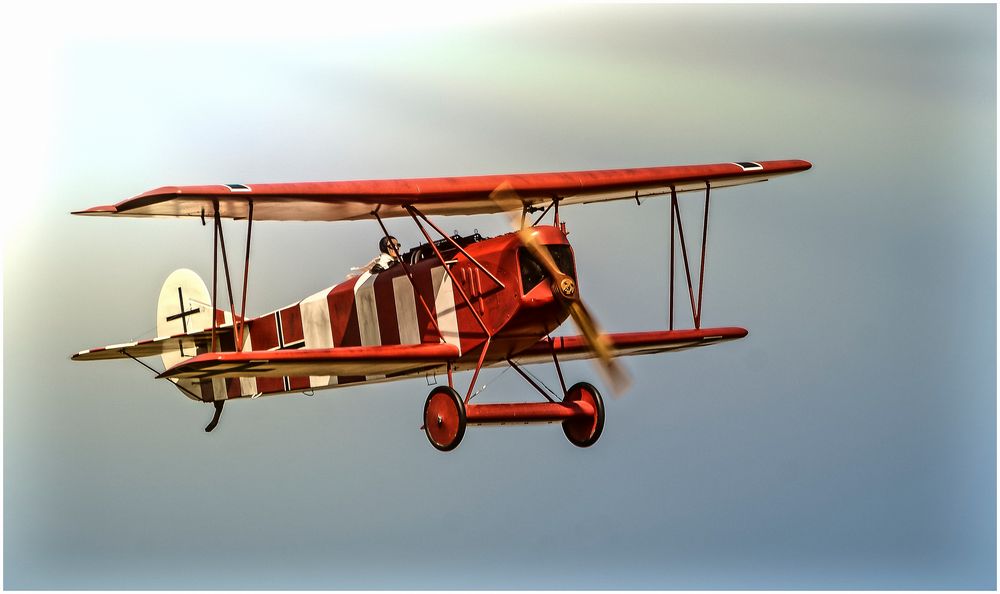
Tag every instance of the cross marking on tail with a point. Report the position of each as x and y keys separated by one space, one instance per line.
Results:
x=183 y=314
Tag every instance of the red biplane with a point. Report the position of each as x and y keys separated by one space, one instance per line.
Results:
x=452 y=304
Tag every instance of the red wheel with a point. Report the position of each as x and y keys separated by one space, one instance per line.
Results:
x=584 y=433
x=444 y=418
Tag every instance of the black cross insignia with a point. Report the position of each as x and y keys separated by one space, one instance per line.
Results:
x=183 y=314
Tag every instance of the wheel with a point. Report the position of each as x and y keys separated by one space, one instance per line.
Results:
x=583 y=433
x=444 y=418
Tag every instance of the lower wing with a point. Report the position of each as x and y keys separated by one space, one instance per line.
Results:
x=340 y=361
x=623 y=344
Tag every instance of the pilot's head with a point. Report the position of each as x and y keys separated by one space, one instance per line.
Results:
x=389 y=245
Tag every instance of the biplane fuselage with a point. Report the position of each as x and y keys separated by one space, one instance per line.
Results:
x=387 y=308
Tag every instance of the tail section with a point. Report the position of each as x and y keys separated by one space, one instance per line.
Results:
x=183 y=330
x=185 y=307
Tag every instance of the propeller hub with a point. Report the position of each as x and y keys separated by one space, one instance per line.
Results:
x=567 y=287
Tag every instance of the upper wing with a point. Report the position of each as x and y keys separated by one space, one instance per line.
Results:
x=629 y=343
x=351 y=200
x=340 y=361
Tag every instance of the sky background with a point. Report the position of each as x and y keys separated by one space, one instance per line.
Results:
x=848 y=442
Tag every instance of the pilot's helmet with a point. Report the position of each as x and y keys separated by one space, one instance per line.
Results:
x=389 y=245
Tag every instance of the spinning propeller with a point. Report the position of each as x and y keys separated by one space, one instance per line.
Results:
x=565 y=290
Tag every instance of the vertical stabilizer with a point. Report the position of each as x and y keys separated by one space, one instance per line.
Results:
x=184 y=306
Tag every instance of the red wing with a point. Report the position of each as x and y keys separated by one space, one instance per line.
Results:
x=341 y=361
x=352 y=200
x=629 y=343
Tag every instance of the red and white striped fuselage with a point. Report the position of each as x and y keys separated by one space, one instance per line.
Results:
x=412 y=304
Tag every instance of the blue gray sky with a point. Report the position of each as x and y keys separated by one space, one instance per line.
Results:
x=848 y=442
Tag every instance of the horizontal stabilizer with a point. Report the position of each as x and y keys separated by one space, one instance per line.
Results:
x=340 y=361
x=186 y=343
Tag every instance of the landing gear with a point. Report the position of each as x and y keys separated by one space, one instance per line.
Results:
x=444 y=418
x=581 y=414
x=584 y=432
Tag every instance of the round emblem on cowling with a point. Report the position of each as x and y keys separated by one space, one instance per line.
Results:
x=567 y=287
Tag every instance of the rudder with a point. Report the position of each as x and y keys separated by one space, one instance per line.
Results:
x=184 y=307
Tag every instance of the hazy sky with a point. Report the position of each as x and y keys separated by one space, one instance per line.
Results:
x=848 y=442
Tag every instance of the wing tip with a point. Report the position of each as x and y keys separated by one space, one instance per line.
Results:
x=106 y=210
x=90 y=354
x=786 y=165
